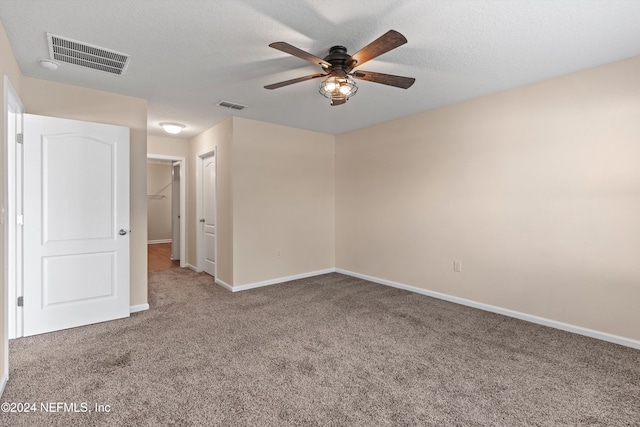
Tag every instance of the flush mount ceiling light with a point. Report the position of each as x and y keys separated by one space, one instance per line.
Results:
x=172 y=128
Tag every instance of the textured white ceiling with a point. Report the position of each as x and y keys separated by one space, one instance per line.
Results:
x=189 y=54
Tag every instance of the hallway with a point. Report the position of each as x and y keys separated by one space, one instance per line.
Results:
x=159 y=257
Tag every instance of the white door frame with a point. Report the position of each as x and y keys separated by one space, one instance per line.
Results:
x=183 y=202
x=13 y=283
x=199 y=210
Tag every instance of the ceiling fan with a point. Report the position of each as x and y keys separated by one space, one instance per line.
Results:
x=338 y=66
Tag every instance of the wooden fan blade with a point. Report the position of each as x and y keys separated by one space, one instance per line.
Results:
x=292 y=50
x=385 y=79
x=388 y=41
x=292 y=81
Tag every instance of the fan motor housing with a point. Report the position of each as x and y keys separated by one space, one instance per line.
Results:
x=337 y=57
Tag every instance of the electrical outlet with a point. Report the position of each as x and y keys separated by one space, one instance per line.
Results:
x=457 y=266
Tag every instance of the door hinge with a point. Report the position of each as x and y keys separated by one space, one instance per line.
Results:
x=19 y=138
x=20 y=219
x=20 y=301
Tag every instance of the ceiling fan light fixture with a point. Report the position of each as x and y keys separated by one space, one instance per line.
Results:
x=338 y=67
x=336 y=87
x=172 y=128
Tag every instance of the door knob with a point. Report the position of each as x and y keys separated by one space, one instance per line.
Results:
x=122 y=232
x=202 y=220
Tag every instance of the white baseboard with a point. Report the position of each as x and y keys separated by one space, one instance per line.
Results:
x=192 y=267
x=3 y=381
x=281 y=280
x=224 y=285
x=139 y=307
x=154 y=242
x=616 y=339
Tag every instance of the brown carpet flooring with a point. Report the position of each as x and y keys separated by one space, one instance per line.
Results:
x=331 y=350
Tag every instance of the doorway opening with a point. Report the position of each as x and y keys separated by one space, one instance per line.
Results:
x=166 y=212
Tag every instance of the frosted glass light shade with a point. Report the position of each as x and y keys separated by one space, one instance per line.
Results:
x=172 y=128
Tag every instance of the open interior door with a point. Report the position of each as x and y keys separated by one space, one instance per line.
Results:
x=76 y=223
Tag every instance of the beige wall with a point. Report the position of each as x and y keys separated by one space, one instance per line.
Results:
x=536 y=190
x=73 y=102
x=275 y=192
x=159 y=180
x=219 y=137
x=283 y=199
x=167 y=146
x=8 y=67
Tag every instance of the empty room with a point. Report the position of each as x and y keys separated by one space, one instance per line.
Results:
x=279 y=213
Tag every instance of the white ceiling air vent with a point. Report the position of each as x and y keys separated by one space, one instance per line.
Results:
x=233 y=105
x=86 y=55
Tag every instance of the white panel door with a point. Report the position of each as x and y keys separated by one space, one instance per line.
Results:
x=175 y=211
x=76 y=223
x=208 y=221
